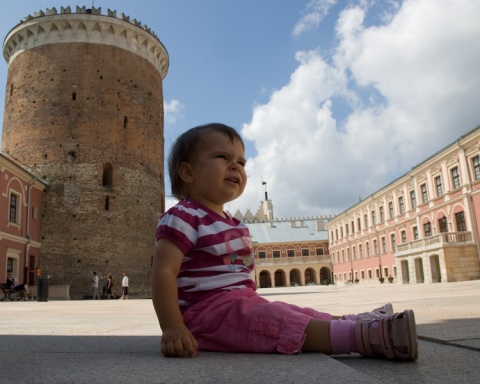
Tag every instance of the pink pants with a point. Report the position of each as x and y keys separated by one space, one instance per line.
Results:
x=242 y=321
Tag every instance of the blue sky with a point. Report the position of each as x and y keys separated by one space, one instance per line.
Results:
x=334 y=99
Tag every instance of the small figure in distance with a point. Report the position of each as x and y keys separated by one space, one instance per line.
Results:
x=110 y=293
x=104 y=286
x=21 y=288
x=95 y=286
x=124 y=287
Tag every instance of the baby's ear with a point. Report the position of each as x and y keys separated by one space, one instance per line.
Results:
x=185 y=172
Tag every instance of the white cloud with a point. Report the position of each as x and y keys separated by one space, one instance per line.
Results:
x=425 y=64
x=172 y=110
x=412 y=84
x=315 y=12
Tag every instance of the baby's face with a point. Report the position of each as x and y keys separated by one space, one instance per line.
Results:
x=216 y=171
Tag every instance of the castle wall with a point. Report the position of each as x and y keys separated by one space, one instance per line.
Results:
x=85 y=112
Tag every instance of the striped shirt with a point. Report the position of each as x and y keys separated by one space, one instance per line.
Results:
x=217 y=255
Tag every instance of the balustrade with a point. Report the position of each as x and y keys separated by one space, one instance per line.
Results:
x=441 y=240
x=293 y=260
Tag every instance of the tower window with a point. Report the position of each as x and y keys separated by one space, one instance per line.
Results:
x=125 y=122
x=107 y=175
x=107 y=203
x=74 y=96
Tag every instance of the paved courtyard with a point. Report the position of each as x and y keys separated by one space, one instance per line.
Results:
x=118 y=341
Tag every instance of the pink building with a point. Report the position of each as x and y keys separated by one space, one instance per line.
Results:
x=421 y=228
x=20 y=217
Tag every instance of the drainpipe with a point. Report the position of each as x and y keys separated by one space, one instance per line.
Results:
x=350 y=253
x=351 y=259
x=27 y=232
x=379 y=253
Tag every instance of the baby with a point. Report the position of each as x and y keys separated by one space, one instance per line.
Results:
x=202 y=289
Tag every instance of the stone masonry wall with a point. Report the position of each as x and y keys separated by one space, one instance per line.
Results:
x=462 y=263
x=72 y=108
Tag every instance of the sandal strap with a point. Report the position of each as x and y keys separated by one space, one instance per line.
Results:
x=385 y=343
x=378 y=337
x=362 y=338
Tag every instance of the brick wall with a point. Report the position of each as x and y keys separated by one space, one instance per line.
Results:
x=70 y=109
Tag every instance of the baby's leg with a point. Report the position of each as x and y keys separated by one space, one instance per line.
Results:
x=242 y=321
x=330 y=337
x=317 y=337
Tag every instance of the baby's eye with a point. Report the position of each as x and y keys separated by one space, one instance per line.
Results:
x=242 y=163
x=221 y=157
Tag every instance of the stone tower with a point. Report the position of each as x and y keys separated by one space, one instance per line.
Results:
x=84 y=111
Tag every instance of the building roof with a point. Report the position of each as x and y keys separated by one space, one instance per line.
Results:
x=288 y=230
x=6 y=158
x=455 y=143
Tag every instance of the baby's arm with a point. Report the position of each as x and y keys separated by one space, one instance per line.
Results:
x=177 y=340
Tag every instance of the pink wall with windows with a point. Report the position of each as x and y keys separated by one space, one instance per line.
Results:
x=430 y=210
x=20 y=219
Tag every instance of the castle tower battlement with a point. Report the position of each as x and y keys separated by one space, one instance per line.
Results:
x=88 y=26
x=84 y=111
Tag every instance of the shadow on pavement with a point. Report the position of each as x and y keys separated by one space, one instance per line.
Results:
x=449 y=352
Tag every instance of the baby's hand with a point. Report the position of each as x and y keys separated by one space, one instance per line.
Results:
x=177 y=341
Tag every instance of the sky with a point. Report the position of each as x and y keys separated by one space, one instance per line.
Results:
x=334 y=98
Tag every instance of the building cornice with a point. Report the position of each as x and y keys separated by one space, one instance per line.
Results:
x=7 y=163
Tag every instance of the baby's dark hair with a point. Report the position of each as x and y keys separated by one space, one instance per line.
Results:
x=185 y=145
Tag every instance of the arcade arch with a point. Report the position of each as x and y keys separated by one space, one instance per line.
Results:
x=266 y=277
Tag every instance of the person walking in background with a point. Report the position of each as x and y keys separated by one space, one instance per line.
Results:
x=95 y=286
x=104 y=286
x=202 y=289
x=124 y=287
x=110 y=293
